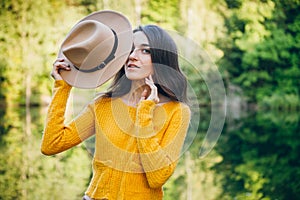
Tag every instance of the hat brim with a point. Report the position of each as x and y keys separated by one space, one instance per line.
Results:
x=123 y=30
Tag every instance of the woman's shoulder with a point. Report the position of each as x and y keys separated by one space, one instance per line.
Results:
x=166 y=100
x=175 y=106
x=101 y=98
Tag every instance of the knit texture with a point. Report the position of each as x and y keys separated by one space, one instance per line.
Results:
x=136 y=148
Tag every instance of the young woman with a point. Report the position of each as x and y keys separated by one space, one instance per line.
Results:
x=140 y=123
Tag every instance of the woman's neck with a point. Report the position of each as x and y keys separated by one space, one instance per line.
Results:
x=133 y=97
x=135 y=93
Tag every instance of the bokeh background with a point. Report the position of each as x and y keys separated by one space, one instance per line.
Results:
x=255 y=45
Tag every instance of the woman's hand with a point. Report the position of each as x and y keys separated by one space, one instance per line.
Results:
x=57 y=66
x=153 y=94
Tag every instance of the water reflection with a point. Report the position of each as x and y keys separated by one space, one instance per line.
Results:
x=256 y=157
x=260 y=157
x=25 y=173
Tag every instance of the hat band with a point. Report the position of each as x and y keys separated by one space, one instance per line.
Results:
x=109 y=58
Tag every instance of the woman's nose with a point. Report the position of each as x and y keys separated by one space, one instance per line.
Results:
x=133 y=55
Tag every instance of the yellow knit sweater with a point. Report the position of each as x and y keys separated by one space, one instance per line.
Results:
x=136 y=148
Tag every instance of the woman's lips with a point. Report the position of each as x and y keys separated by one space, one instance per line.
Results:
x=131 y=66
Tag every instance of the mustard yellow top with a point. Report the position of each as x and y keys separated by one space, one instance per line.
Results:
x=136 y=148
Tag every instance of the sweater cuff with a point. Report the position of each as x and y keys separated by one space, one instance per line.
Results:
x=145 y=113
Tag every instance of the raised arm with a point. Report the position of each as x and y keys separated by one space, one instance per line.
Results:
x=58 y=136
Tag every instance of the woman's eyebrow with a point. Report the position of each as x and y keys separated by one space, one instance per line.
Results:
x=140 y=45
x=144 y=45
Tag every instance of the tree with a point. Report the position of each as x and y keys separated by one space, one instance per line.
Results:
x=29 y=40
x=26 y=174
x=260 y=52
x=260 y=157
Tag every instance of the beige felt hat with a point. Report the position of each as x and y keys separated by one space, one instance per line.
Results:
x=96 y=47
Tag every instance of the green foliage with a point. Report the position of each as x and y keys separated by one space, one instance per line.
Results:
x=260 y=157
x=25 y=173
x=281 y=102
x=162 y=12
x=262 y=53
x=28 y=43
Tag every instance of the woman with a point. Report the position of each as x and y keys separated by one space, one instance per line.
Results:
x=140 y=123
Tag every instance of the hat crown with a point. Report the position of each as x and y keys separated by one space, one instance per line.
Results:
x=83 y=42
x=96 y=48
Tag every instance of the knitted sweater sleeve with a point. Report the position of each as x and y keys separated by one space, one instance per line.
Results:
x=58 y=136
x=159 y=155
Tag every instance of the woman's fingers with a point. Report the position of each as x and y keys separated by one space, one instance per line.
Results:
x=153 y=93
x=150 y=83
x=58 y=65
x=61 y=64
x=144 y=94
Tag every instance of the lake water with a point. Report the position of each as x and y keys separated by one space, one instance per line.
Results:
x=256 y=157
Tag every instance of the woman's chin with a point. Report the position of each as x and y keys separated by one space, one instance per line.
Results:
x=135 y=77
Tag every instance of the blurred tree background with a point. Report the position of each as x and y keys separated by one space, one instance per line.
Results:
x=254 y=43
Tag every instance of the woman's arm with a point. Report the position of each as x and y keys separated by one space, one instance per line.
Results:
x=159 y=156
x=57 y=136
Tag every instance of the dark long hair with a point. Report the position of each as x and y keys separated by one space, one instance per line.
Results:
x=168 y=78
